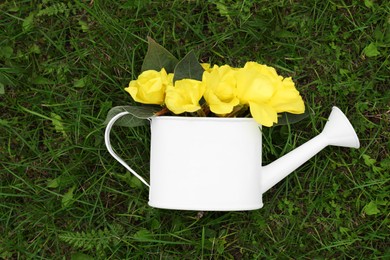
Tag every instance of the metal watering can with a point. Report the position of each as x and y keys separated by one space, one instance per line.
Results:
x=214 y=164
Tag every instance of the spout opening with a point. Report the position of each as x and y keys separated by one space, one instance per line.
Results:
x=339 y=131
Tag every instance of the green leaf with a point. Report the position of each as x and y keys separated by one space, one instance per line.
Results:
x=369 y=3
x=2 y=90
x=188 y=68
x=223 y=9
x=84 y=26
x=220 y=244
x=130 y=179
x=4 y=122
x=40 y=80
x=13 y=7
x=288 y=118
x=35 y=49
x=6 y=52
x=138 y=115
x=67 y=199
x=378 y=34
x=57 y=122
x=371 y=208
x=143 y=235
x=80 y=83
x=136 y=183
x=371 y=50
x=157 y=57
x=385 y=163
x=55 y=183
x=368 y=160
x=28 y=22
x=62 y=181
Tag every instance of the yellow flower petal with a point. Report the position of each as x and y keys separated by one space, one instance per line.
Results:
x=288 y=101
x=218 y=106
x=262 y=69
x=254 y=87
x=264 y=114
x=287 y=98
x=206 y=66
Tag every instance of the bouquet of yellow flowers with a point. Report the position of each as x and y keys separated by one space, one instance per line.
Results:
x=196 y=89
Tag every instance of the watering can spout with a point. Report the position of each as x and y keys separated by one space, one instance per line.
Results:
x=338 y=131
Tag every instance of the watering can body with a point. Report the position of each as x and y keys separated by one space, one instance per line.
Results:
x=205 y=163
x=214 y=164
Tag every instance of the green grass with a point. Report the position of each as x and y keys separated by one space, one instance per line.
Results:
x=64 y=65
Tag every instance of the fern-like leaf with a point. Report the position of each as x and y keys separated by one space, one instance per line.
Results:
x=98 y=240
x=57 y=8
x=52 y=9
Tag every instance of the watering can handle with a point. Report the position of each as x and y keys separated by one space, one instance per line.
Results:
x=111 y=151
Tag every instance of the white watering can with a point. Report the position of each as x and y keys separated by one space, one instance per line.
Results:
x=214 y=164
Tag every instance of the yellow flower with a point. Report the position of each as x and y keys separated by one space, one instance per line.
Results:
x=220 y=89
x=267 y=93
x=150 y=87
x=184 y=96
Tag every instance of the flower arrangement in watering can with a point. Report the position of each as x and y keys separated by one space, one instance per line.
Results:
x=206 y=130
